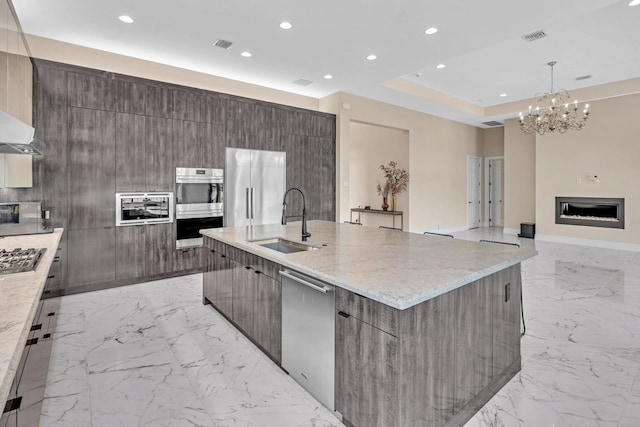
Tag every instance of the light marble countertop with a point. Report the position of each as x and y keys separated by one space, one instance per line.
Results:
x=399 y=269
x=19 y=297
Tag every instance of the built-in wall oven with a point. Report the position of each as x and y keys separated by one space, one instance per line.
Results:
x=143 y=208
x=199 y=203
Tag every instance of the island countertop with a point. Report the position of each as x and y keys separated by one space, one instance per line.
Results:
x=19 y=297
x=399 y=269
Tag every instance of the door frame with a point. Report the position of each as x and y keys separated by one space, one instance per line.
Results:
x=486 y=188
x=479 y=159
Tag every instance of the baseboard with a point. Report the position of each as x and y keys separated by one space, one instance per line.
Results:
x=513 y=231
x=608 y=244
x=448 y=230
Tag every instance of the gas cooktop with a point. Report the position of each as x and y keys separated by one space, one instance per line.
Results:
x=19 y=260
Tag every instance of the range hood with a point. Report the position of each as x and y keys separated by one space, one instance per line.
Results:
x=17 y=137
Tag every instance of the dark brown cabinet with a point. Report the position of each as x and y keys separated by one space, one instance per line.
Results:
x=159 y=165
x=109 y=133
x=160 y=246
x=248 y=291
x=130 y=153
x=91 y=168
x=91 y=256
x=131 y=251
x=367 y=373
x=432 y=364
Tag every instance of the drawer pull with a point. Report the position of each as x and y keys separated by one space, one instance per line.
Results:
x=343 y=314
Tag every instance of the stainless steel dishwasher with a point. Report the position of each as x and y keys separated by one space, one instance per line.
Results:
x=308 y=334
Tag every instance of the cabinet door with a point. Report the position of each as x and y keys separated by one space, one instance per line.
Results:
x=208 y=274
x=130 y=152
x=159 y=169
x=507 y=288
x=130 y=97
x=160 y=245
x=130 y=251
x=159 y=101
x=91 y=168
x=218 y=282
x=213 y=145
x=188 y=105
x=268 y=314
x=366 y=374
x=244 y=295
x=473 y=341
x=92 y=91
x=187 y=144
x=91 y=256
x=187 y=259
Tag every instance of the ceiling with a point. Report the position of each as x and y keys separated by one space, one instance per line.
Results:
x=480 y=42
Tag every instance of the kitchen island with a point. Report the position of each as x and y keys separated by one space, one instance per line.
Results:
x=20 y=295
x=427 y=328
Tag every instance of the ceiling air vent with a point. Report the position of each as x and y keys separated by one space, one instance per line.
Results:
x=588 y=76
x=303 y=82
x=225 y=44
x=492 y=123
x=536 y=35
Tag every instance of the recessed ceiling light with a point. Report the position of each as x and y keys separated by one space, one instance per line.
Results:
x=417 y=74
x=441 y=66
x=634 y=2
x=431 y=30
x=371 y=57
x=126 y=19
x=502 y=95
x=285 y=25
x=246 y=54
x=328 y=76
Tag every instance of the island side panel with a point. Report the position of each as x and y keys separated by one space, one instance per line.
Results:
x=426 y=364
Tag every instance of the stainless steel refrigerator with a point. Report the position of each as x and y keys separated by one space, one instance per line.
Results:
x=255 y=182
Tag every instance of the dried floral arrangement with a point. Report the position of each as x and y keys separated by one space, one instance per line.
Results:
x=396 y=180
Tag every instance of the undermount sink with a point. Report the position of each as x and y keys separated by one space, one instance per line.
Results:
x=283 y=245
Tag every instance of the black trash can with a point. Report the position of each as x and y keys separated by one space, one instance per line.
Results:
x=528 y=230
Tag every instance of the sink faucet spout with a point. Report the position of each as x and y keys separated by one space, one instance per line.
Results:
x=305 y=233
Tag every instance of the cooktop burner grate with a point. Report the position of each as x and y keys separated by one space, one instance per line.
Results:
x=19 y=260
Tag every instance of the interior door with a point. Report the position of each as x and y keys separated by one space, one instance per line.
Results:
x=237 y=184
x=473 y=191
x=268 y=176
x=495 y=193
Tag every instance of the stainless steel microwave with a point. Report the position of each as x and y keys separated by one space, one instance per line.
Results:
x=144 y=208
x=23 y=218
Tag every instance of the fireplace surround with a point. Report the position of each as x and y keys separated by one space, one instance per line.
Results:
x=590 y=211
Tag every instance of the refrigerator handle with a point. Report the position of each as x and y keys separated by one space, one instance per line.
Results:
x=247 y=200
x=253 y=193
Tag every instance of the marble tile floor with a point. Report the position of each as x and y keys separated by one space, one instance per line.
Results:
x=152 y=355
x=581 y=351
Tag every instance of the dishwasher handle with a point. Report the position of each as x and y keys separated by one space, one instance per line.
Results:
x=321 y=288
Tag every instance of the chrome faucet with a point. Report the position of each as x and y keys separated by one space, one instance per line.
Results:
x=305 y=233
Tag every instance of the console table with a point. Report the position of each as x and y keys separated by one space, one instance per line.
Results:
x=393 y=214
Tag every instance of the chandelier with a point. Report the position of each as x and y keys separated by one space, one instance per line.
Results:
x=554 y=113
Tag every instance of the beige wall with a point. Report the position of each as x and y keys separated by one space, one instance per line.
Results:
x=519 y=176
x=67 y=53
x=493 y=142
x=437 y=164
x=607 y=147
x=371 y=146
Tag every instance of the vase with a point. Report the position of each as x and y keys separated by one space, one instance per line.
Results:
x=385 y=205
x=393 y=201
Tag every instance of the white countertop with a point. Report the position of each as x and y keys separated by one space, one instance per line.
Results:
x=399 y=269
x=19 y=297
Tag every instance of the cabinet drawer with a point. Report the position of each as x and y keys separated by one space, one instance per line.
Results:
x=369 y=311
x=268 y=268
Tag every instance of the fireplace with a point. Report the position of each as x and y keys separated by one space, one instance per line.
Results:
x=590 y=211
